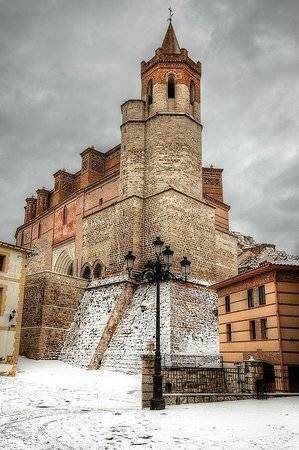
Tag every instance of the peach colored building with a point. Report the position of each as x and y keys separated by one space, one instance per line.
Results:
x=259 y=318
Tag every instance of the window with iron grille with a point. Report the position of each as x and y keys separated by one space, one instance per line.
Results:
x=228 y=332
x=252 y=329
x=264 y=329
x=262 y=295
x=227 y=303
x=250 y=298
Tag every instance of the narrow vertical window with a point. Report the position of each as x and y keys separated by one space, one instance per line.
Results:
x=264 y=329
x=22 y=238
x=64 y=215
x=192 y=92
x=150 y=92
x=228 y=332
x=39 y=230
x=227 y=303
x=2 y=263
x=171 y=87
x=262 y=295
x=252 y=329
x=250 y=298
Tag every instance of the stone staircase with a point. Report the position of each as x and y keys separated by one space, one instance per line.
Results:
x=89 y=323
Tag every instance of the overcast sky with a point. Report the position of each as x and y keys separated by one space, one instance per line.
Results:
x=66 y=66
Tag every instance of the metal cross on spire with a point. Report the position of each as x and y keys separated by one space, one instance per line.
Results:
x=170 y=14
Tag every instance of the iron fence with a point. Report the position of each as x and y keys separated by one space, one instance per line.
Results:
x=206 y=380
x=232 y=381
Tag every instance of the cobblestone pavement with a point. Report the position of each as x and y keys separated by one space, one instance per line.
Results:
x=60 y=407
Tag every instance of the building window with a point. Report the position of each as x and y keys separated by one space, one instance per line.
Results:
x=227 y=303
x=171 y=87
x=228 y=332
x=64 y=215
x=100 y=201
x=22 y=239
x=250 y=298
x=2 y=263
x=264 y=329
x=150 y=92
x=252 y=329
x=192 y=92
x=262 y=295
x=39 y=230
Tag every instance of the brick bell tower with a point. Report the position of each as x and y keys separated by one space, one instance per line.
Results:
x=170 y=88
x=161 y=165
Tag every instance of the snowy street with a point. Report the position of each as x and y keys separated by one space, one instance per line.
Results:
x=52 y=405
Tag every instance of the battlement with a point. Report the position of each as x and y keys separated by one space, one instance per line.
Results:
x=132 y=110
x=95 y=167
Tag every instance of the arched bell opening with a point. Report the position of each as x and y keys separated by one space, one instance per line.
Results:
x=171 y=86
x=150 y=92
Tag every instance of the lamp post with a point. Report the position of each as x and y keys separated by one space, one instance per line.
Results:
x=155 y=272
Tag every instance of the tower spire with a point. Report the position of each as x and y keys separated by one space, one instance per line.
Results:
x=170 y=43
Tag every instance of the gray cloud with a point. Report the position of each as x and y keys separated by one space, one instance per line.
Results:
x=66 y=66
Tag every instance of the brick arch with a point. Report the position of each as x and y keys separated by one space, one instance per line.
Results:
x=86 y=271
x=98 y=269
x=64 y=263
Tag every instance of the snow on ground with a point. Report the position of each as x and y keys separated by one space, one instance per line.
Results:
x=51 y=405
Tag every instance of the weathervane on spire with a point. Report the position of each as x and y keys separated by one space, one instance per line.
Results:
x=170 y=14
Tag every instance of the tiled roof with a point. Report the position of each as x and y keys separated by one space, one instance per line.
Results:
x=170 y=43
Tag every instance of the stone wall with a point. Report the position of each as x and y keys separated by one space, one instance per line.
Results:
x=173 y=155
x=91 y=324
x=193 y=320
x=188 y=325
x=50 y=303
x=187 y=225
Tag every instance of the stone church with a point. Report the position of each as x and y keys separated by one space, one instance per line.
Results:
x=80 y=305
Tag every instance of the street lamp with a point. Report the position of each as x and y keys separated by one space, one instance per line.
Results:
x=155 y=272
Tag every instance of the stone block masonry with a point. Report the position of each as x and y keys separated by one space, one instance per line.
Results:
x=50 y=303
x=91 y=323
x=188 y=325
